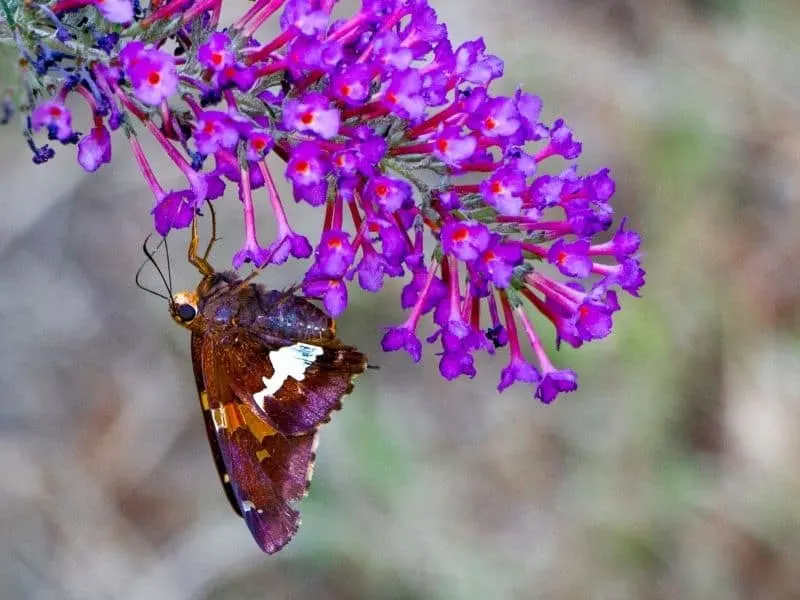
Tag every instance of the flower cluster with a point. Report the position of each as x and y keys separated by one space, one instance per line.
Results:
x=392 y=133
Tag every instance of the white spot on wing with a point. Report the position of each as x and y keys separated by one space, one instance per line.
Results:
x=289 y=361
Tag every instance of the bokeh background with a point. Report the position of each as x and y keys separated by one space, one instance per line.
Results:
x=671 y=474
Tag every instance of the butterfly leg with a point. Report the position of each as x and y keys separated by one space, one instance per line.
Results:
x=214 y=237
x=200 y=263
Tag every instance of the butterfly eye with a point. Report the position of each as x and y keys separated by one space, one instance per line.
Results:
x=186 y=312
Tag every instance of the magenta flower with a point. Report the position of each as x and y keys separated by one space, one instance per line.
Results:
x=56 y=118
x=416 y=166
x=174 y=210
x=94 y=149
x=115 y=11
x=152 y=72
x=313 y=114
x=216 y=54
x=215 y=131
x=464 y=240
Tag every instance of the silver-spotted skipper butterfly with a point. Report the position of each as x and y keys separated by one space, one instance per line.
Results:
x=269 y=371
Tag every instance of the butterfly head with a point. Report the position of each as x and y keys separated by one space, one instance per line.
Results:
x=184 y=308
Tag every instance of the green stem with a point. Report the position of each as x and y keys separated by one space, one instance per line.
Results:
x=9 y=16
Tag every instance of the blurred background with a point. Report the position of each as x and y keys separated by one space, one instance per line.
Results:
x=671 y=474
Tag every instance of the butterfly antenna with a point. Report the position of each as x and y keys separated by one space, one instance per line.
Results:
x=169 y=266
x=149 y=259
x=150 y=256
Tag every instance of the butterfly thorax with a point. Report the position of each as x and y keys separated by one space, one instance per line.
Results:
x=222 y=301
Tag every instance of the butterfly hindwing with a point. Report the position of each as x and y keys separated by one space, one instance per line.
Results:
x=263 y=470
x=295 y=385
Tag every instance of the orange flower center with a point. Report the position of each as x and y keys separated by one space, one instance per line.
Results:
x=307 y=118
x=460 y=234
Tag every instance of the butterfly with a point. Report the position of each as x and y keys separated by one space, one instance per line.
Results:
x=269 y=371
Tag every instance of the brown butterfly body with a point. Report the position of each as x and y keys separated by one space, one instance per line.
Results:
x=269 y=371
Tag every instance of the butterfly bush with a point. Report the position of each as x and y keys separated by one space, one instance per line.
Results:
x=382 y=125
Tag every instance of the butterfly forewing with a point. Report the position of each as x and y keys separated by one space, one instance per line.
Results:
x=264 y=470
x=295 y=386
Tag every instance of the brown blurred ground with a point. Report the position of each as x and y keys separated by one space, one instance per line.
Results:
x=671 y=474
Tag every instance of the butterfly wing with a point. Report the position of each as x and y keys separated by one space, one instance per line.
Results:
x=211 y=431
x=262 y=470
x=296 y=385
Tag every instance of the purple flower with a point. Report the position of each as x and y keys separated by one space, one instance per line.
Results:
x=312 y=114
x=390 y=53
x=412 y=162
x=474 y=66
x=529 y=108
x=455 y=364
x=497 y=262
x=629 y=275
x=496 y=117
x=593 y=318
x=562 y=141
x=622 y=245
x=152 y=72
x=452 y=147
x=115 y=11
x=556 y=382
x=174 y=211
x=503 y=191
x=56 y=118
x=259 y=144
x=332 y=291
x=352 y=85
x=402 y=338
x=215 y=131
x=571 y=258
x=307 y=169
x=388 y=193
x=215 y=54
x=251 y=252
x=403 y=95
x=305 y=15
x=518 y=369
x=465 y=240
x=412 y=292
x=94 y=149
x=288 y=244
x=370 y=272
x=334 y=254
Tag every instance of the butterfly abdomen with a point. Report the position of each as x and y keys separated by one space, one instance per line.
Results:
x=293 y=317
